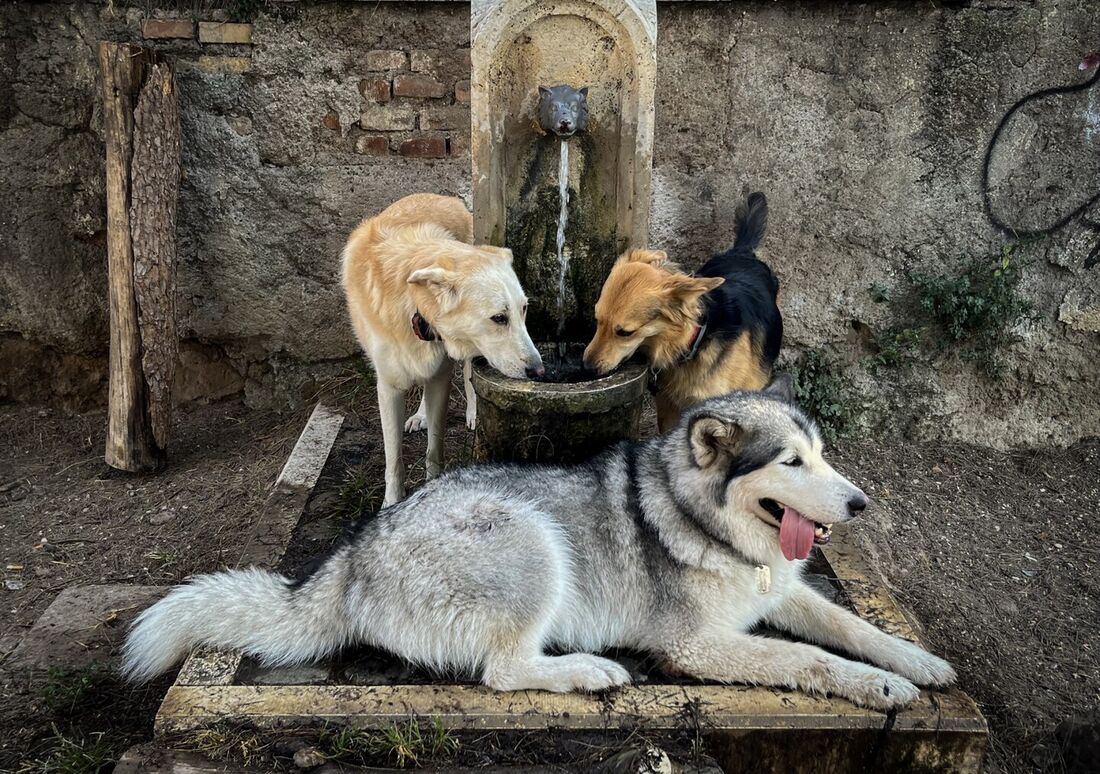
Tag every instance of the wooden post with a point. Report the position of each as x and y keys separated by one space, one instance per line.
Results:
x=141 y=122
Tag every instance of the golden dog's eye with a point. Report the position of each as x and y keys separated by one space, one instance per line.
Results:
x=794 y=463
x=500 y=319
x=624 y=334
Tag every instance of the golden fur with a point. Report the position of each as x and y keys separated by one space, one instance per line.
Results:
x=648 y=296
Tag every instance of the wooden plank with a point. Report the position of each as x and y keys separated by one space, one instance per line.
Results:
x=713 y=707
x=271 y=534
x=130 y=445
x=155 y=178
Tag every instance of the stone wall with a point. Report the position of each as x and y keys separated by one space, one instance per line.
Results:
x=865 y=123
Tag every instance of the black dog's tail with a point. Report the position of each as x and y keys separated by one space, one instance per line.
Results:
x=752 y=222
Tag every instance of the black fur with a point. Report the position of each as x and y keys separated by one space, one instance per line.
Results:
x=747 y=299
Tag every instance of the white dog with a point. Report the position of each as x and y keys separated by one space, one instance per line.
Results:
x=420 y=297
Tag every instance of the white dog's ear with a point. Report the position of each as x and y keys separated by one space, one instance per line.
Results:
x=782 y=387
x=440 y=282
x=712 y=439
x=504 y=252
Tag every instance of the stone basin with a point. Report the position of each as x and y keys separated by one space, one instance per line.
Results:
x=524 y=420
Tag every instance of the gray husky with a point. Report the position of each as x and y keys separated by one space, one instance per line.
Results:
x=677 y=546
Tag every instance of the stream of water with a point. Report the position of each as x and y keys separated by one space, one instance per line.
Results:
x=563 y=221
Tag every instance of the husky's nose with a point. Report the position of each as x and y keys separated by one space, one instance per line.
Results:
x=533 y=371
x=856 y=505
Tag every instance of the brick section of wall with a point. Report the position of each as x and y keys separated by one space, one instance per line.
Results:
x=462 y=92
x=424 y=147
x=414 y=85
x=387 y=60
x=373 y=145
x=388 y=119
x=167 y=29
x=450 y=117
x=225 y=32
x=375 y=89
x=416 y=103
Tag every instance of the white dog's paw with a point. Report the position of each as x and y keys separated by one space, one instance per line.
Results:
x=923 y=668
x=593 y=673
x=416 y=423
x=875 y=688
x=471 y=416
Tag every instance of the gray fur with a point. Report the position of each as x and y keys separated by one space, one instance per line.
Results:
x=656 y=546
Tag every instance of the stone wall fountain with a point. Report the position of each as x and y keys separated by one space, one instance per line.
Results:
x=562 y=98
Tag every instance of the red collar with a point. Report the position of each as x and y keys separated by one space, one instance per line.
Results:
x=422 y=329
x=696 y=341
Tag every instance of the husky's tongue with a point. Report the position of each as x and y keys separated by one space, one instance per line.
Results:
x=796 y=535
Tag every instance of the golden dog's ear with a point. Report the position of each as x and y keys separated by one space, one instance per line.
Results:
x=655 y=258
x=687 y=287
x=437 y=280
x=712 y=439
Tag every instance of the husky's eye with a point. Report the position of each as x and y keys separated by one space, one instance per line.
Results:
x=500 y=319
x=794 y=463
x=624 y=334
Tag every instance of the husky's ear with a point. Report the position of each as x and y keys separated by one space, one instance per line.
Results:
x=440 y=282
x=712 y=439
x=655 y=258
x=782 y=387
x=543 y=91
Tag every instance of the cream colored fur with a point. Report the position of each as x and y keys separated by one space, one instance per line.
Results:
x=416 y=256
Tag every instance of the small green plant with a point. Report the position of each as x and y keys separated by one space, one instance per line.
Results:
x=225 y=743
x=72 y=754
x=971 y=310
x=401 y=744
x=975 y=308
x=823 y=393
x=66 y=689
x=895 y=347
x=361 y=493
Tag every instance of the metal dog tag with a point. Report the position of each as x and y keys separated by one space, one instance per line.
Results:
x=763 y=578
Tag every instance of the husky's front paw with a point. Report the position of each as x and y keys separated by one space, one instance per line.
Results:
x=920 y=666
x=875 y=688
x=471 y=416
x=593 y=673
x=416 y=423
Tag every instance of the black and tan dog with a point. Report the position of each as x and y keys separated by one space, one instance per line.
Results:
x=704 y=334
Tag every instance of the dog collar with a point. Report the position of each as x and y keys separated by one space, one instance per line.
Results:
x=422 y=329
x=696 y=341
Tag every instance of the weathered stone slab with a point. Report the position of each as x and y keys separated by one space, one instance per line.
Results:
x=81 y=627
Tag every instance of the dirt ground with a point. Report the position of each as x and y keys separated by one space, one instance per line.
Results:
x=992 y=551
x=66 y=520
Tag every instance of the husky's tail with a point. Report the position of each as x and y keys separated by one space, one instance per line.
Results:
x=752 y=222
x=257 y=612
